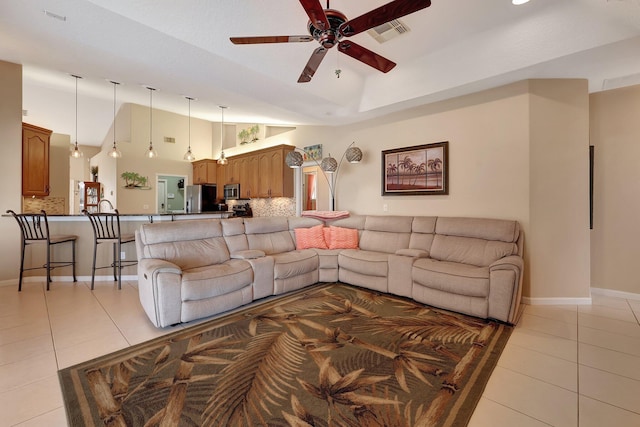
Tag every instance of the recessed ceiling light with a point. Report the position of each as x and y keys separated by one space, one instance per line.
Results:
x=519 y=2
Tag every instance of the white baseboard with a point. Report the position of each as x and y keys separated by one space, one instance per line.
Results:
x=615 y=294
x=35 y=279
x=556 y=301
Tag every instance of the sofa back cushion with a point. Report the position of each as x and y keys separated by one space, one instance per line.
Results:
x=479 y=228
x=423 y=229
x=163 y=232
x=386 y=233
x=475 y=241
x=188 y=254
x=233 y=231
x=467 y=250
x=188 y=244
x=269 y=234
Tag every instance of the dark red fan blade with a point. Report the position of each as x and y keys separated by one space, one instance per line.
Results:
x=381 y=15
x=312 y=65
x=316 y=14
x=270 y=39
x=365 y=55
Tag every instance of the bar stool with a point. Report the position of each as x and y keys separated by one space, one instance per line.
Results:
x=35 y=230
x=106 y=229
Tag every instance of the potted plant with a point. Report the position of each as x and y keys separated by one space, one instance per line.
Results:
x=94 y=173
x=244 y=136
x=254 y=131
x=130 y=179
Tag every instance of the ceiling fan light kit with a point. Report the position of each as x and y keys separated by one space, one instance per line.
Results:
x=329 y=26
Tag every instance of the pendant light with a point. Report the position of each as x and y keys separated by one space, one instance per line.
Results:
x=75 y=151
x=115 y=153
x=222 y=160
x=189 y=155
x=151 y=152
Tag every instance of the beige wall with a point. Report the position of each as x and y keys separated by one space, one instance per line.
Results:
x=10 y=165
x=517 y=151
x=558 y=237
x=615 y=135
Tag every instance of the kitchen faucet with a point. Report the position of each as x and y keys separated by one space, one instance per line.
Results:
x=105 y=201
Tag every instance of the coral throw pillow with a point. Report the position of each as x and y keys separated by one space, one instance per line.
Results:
x=312 y=237
x=343 y=238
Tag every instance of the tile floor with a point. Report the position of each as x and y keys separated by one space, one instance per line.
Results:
x=564 y=366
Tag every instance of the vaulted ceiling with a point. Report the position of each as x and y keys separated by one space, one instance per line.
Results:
x=182 y=48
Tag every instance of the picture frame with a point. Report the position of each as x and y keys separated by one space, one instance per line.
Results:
x=312 y=152
x=416 y=170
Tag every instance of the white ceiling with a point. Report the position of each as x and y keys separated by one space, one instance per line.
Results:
x=182 y=48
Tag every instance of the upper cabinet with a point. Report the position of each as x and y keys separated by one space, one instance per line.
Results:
x=276 y=178
x=264 y=173
x=205 y=172
x=35 y=160
x=261 y=174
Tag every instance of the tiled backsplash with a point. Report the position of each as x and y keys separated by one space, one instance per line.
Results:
x=51 y=205
x=279 y=206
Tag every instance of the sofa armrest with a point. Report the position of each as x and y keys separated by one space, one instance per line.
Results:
x=505 y=288
x=160 y=291
x=248 y=254
x=415 y=253
x=507 y=263
x=154 y=265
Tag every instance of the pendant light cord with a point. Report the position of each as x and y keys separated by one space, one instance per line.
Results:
x=150 y=116
x=77 y=77
x=114 y=113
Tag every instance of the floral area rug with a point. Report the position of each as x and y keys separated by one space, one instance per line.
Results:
x=329 y=355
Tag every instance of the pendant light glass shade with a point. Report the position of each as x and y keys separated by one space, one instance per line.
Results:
x=222 y=160
x=114 y=153
x=151 y=152
x=75 y=150
x=188 y=156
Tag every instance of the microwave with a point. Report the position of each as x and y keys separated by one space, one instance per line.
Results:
x=231 y=191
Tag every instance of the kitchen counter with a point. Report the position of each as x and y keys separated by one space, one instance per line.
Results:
x=80 y=226
x=147 y=217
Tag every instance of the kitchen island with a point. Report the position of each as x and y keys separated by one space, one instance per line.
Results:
x=81 y=227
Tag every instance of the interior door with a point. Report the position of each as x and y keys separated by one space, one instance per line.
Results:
x=162 y=196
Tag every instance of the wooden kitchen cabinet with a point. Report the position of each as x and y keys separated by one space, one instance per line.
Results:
x=35 y=160
x=261 y=173
x=205 y=171
x=232 y=172
x=276 y=178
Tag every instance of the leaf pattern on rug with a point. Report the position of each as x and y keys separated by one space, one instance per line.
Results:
x=332 y=355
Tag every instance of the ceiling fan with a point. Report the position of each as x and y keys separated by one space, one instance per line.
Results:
x=328 y=26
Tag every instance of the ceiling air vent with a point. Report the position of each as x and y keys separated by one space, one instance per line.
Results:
x=169 y=140
x=389 y=30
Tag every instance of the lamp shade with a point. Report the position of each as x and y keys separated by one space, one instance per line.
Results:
x=294 y=159
x=329 y=164
x=353 y=155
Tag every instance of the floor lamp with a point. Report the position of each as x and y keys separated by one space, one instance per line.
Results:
x=329 y=166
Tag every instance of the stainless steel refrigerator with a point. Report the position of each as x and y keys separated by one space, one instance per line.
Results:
x=201 y=198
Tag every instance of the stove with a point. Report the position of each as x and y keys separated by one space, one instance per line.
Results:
x=242 y=211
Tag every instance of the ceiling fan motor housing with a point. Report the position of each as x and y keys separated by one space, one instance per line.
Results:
x=330 y=36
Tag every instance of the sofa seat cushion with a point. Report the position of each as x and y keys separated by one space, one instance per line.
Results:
x=451 y=277
x=294 y=263
x=368 y=263
x=215 y=280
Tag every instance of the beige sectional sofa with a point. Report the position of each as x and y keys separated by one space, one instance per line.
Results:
x=193 y=269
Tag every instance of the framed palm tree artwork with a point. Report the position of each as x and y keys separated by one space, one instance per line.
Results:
x=416 y=170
